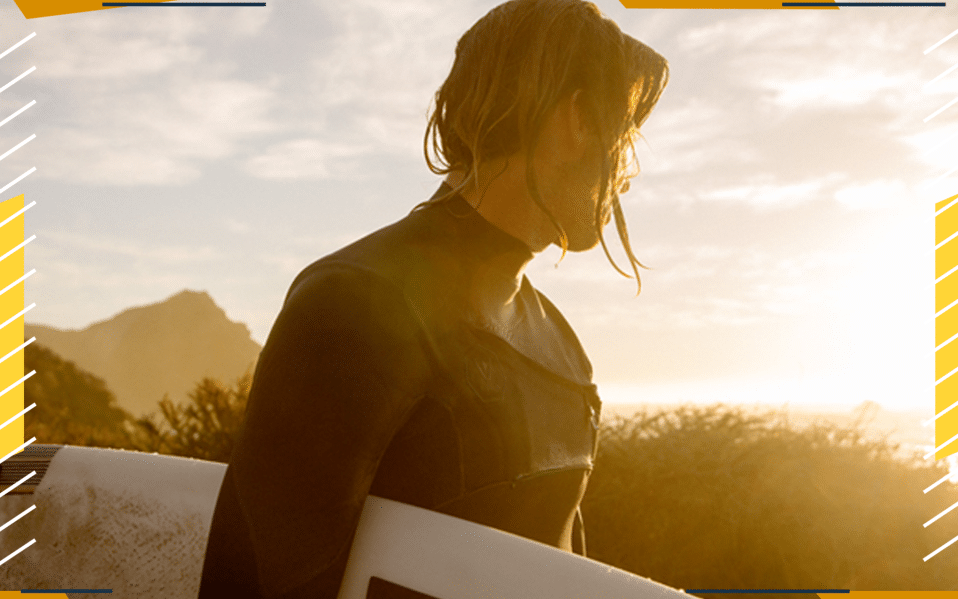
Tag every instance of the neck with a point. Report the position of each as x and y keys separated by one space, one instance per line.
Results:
x=498 y=273
x=502 y=198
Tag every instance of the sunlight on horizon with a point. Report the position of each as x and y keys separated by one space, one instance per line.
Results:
x=824 y=394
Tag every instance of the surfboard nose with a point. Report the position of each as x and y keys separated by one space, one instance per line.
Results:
x=132 y=522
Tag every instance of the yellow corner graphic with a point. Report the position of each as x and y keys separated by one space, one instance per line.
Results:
x=33 y=9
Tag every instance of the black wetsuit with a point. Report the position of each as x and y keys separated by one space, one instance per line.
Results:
x=380 y=377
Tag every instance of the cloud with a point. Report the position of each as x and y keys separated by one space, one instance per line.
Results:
x=700 y=287
x=152 y=252
x=128 y=100
x=238 y=227
x=384 y=66
x=838 y=85
x=303 y=159
x=876 y=194
x=772 y=193
x=808 y=103
x=156 y=137
x=124 y=43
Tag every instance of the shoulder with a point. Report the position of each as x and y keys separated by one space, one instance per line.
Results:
x=405 y=249
x=340 y=330
x=331 y=295
x=413 y=262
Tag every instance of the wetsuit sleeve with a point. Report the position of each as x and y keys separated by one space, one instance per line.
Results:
x=341 y=371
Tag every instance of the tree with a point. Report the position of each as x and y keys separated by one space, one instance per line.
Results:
x=206 y=427
x=73 y=406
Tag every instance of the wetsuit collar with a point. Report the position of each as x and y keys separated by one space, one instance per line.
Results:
x=491 y=242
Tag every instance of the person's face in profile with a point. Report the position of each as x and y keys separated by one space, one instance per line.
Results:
x=570 y=157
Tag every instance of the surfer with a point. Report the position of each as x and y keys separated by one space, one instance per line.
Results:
x=419 y=363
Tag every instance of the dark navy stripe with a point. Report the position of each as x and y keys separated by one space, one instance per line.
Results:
x=816 y=4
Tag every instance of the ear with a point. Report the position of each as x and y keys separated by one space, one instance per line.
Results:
x=581 y=137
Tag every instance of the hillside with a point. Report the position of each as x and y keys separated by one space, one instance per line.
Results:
x=72 y=406
x=146 y=352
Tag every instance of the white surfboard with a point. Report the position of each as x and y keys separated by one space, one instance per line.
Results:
x=449 y=558
x=137 y=523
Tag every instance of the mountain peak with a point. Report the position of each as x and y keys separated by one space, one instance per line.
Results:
x=148 y=351
x=190 y=294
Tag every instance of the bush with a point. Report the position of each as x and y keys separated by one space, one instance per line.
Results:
x=73 y=407
x=205 y=428
x=713 y=497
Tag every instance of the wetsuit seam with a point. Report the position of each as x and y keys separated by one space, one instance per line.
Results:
x=512 y=481
x=558 y=377
x=330 y=267
x=435 y=362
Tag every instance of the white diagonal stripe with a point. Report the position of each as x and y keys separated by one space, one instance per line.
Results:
x=18 y=516
x=32 y=541
x=17 y=450
x=14 y=386
x=950 y=237
x=950 y=204
x=19 y=77
x=946 y=308
x=940 y=447
x=940 y=414
x=18 y=44
x=23 y=345
x=938 y=482
x=18 y=212
x=925 y=559
x=19 y=145
x=927 y=118
x=938 y=382
x=942 y=75
x=17 y=180
x=17 y=484
x=18 y=246
x=953 y=506
x=16 y=114
x=944 y=276
x=19 y=414
x=942 y=142
x=17 y=282
x=942 y=177
x=937 y=348
x=18 y=314
x=945 y=39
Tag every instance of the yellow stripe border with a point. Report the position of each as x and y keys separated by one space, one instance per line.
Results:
x=11 y=335
x=946 y=324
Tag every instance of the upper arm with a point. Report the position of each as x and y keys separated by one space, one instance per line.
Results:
x=341 y=370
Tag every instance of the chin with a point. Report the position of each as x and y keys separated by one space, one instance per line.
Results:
x=582 y=243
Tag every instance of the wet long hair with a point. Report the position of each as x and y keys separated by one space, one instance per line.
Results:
x=511 y=70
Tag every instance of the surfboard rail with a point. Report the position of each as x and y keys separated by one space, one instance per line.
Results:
x=449 y=558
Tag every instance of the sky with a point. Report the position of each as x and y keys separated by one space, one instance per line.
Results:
x=785 y=205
